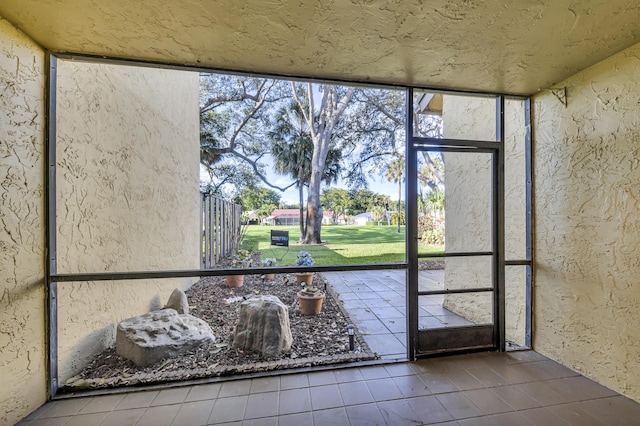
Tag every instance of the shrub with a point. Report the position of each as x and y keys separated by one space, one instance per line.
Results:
x=431 y=229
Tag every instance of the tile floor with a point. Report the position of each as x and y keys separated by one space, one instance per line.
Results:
x=376 y=302
x=513 y=388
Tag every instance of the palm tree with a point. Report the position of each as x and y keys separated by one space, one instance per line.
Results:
x=292 y=150
x=435 y=201
x=378 y=213
x=395 y=173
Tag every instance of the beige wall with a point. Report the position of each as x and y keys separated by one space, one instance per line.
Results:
x=22 y=293
x=587 y=210
x=468 y=205
x=128 y=195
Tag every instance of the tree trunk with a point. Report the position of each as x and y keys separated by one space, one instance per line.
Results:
x=314 y=211
x=331 y=108
x=302 y=227
x=314 y=225
x=399 y=195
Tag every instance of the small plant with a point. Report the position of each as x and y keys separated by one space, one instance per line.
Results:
x=310 y=291
x=304 y=259
x=242 y=259
x=268 y=262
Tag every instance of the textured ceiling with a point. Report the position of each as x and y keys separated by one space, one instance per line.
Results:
x=513 y=47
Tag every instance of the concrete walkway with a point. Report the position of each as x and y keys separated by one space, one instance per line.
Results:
x=376 y=302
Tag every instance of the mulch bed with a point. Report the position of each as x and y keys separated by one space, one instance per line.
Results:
x=317 y=340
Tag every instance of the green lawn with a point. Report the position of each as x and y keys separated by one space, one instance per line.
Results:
x=345 y=244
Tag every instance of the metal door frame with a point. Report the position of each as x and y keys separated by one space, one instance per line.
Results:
x=496 y=148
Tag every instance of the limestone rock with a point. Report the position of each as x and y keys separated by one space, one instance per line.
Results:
x=148 y=338
x=178 y=302
x=263 y=326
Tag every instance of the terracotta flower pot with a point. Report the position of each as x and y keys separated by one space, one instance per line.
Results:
x=306 y=278
x=310 y=305
x=235 y=281
x=269 y=277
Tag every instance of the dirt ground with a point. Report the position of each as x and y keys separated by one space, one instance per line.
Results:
x=317 y=340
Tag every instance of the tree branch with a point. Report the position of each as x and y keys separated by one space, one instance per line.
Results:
x=258 y=173
x=215 y=101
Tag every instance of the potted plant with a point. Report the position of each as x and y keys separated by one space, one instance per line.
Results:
x=304 y=259
x=310 y=299
x=242 y=259
x=268 y=263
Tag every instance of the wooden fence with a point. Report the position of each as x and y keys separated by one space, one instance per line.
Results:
x=221 y=221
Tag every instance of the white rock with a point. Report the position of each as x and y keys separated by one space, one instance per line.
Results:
x=178 y=302
x=148 y=338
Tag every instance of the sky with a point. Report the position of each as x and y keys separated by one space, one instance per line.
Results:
x=380 y=186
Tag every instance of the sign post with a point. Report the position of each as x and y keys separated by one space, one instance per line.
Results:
x=280 y=239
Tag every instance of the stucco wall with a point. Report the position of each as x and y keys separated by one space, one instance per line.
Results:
x=468 y=205
x=22 y=296
x=128 y=195
x=587 y=210
x=468 y=209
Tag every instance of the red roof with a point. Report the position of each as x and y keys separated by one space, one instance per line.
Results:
x=295 y=212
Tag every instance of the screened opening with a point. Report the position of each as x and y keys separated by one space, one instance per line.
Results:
x=229 y=188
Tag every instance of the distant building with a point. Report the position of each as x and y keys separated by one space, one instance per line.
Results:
x=292 y=217
x=362 y=218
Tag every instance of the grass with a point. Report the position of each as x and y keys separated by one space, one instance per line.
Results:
x=344 y=244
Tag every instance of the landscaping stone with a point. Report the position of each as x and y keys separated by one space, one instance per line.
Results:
x=149 y=338
x=178 y=302
x=263 y=326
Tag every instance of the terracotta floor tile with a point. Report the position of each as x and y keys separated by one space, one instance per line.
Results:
x=203 y=392
x=90 y=419
x=294 y=381
x=296 y=419
x=354 y=393
x=487 y=401
x=331 y=417
x=383 y=389
x=542 y=393
x=542 y=416
x=262 y=405
x=170 y=396
x=264 y=421
x=294 y=401
x=235 y=388
x=398 y=412
x=123 y=417
x=154 y=416
x=323 y=397
x=411 y=386
x=66 y=407
x=510 y=419
x=616 y=410
x=344 y=375
x=579 y=388
x=515 y=397
x=101 y=404
x=575 y=415
x=438 y=382
x=320 y=378
x=365 y=415
x=429 y=410
x=193 y=413
x=265 y=384
x=228 y=409
x=458 y=405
